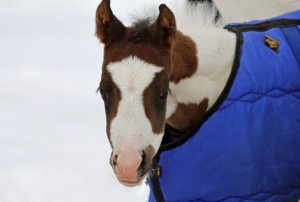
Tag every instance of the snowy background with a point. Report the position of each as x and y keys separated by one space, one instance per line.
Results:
x=53 y=146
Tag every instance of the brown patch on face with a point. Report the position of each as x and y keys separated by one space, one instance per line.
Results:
x=111 y=96
x=185 y=61
x=155 y=97
x=187 y=116
x=150 y=151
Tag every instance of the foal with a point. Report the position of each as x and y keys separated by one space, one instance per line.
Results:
x=221 y=93
x=153 y=75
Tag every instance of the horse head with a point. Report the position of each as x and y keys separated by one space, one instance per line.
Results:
x=137 y=65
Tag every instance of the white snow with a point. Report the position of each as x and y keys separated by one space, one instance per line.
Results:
x=53 y=146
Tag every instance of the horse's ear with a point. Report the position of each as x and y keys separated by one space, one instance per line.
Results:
x=107 y=25
x=166 y=25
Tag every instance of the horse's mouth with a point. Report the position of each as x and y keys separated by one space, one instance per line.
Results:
x=132 y=183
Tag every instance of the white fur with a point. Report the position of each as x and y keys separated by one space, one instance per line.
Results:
x=215 y=51
x=131 y=129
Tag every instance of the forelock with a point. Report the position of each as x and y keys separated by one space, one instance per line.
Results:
x=143 y=20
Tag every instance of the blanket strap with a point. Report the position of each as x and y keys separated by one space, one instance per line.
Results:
x=154 y=175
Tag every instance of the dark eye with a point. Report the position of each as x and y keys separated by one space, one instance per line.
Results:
x=104 y=94
x=163 y=95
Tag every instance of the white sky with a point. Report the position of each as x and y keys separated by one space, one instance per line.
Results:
x=53 y=145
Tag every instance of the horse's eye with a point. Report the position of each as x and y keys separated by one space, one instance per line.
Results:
x=163 y=95
x=104 y=94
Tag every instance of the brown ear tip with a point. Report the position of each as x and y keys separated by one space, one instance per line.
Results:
x=162 y=6
x=103 y=8
x=107 y=2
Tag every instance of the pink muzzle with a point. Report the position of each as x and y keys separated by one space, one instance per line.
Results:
x=126 y=165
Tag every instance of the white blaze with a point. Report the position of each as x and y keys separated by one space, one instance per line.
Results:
x=131 y=129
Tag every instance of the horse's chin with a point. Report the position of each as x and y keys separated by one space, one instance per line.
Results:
x=132 y=183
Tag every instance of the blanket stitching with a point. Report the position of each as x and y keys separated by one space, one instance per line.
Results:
x=262 y=95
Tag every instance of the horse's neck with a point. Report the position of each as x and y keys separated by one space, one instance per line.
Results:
x=195 y=86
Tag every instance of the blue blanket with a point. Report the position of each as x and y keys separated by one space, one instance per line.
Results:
x=248 y=146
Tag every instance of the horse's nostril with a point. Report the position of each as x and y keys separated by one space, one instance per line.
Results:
x=114 y=159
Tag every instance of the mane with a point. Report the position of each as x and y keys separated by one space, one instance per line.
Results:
x=142 y=25
x=202 y=14
x=188 y=13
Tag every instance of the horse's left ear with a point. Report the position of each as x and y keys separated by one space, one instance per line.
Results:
x=166 y=25
x=108 y=27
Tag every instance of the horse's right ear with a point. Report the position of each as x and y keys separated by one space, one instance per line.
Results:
x=166 y=26
x=108 y=27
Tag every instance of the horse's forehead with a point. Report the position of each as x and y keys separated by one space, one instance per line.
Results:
x=132 y=75
x=142 y=47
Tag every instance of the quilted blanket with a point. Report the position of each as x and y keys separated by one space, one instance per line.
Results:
x=248 y=146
